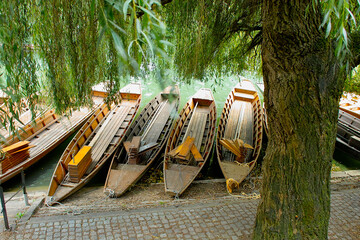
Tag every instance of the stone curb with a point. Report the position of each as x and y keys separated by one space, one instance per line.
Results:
x=38 y=204
x=164 y=209
x=31 y=211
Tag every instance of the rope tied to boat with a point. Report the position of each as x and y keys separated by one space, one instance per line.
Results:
x=232 y=184
x=246 y=195
x=111 y=193
x=246 y=164
x=71 y=211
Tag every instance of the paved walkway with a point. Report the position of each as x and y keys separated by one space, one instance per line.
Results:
x=225 y=218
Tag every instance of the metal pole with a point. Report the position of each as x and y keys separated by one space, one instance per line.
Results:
x=24 y=188
x=6 y=222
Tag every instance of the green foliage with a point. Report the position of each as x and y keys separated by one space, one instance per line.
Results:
x=17 y=58
x=340 y=18
x=66 y=35
x=76 y=44
x=352 y=83
x=20 y=215
x=79 y=43
x=212 y=35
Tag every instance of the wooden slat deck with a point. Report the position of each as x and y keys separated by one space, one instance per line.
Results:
x=154 y=130
x=116 y=119
x=197 y=125
x=44 y=139
x=153 y=126
x=349 y=121
x=233 y=120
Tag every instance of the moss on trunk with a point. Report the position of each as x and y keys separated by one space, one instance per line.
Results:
x=303 y=85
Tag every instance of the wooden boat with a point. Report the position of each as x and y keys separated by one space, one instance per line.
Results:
x=101 y=135
x=190 y=142
x=143 y=142
x=261 y=86
x=24 y=117
x=45 y=133
x=348 y=134
x=240 y=132
x=350 y=103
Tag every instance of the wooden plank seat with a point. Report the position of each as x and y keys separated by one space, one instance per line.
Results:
x=135 y=150
x=147 y=141
x=196 y=128
x=182 y=152
x=79 y=164
x=13 y=155
x=243 y=97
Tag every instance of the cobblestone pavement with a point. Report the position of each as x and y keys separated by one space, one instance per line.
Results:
x=226 y=218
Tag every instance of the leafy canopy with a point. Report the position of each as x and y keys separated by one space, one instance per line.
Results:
x=61 y=48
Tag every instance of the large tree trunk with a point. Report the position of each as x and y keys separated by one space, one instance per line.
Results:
x=302 y=90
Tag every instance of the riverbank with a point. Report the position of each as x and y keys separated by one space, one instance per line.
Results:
x=92 y=200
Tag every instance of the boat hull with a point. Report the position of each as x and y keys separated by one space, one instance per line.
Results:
x=241 y=118
x=348 y=134
x=197 y=121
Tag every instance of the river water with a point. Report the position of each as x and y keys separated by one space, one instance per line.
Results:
x=38 y=176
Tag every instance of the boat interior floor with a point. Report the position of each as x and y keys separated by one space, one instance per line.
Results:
x=239 y=126
x=177 y=175
x=124 y=174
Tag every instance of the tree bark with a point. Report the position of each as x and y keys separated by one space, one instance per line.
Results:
x=303 y=84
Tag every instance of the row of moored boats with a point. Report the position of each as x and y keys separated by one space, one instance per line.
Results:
x=132 y=145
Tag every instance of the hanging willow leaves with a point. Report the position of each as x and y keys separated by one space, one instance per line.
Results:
x=339 y=19
x=18 y=66
x=74 y=45
x=213 y=35
x=67 y=37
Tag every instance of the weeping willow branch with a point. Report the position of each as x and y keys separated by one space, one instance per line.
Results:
x=206 y=33
x=74 y=45
x=18 y=64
